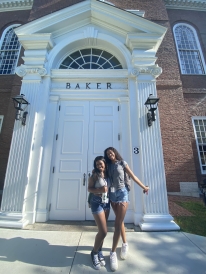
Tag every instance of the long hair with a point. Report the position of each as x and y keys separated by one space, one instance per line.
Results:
x=117 y=155
x=96 y=170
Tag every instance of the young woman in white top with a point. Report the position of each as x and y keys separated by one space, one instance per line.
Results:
x=100 y=207
x=119 y=199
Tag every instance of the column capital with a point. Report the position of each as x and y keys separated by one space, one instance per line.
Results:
x=155 y=70
x=24 y=70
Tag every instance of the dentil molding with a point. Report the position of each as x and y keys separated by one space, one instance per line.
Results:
x=12 y=5
x=21 y=71
x=153 y=70
x=199 y=5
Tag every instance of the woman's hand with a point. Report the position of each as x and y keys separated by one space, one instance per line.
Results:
x=145 y=190
x=103 y=189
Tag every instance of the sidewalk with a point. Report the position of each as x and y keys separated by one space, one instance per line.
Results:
x=36 y=252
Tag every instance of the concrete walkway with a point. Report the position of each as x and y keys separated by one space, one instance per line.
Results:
x=36 y=252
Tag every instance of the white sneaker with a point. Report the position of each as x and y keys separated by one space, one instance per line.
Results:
x=124 y=251
x=113 y=261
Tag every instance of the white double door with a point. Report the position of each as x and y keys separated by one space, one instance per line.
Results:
x=85 y=130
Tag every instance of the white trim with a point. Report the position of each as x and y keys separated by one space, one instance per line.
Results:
x=197 y=144
x=199 y=5
x=137 y=12
x=1 y=121
x=106 y=2
x=5 y=31
x=198 y=44
x=13 y=5
x=94 y=12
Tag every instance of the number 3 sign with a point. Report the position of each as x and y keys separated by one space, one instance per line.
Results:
x=135 y=150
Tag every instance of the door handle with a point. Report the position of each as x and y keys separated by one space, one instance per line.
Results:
x=89 y=174
x=84 y=179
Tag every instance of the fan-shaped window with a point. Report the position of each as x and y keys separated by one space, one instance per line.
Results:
x=189 y=50
x=9 y=51
x=91 y=59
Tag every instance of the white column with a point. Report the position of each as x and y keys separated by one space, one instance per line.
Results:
x=156 y=213
x=16 y=175
x=23 y=168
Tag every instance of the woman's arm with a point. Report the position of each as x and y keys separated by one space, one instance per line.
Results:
x=135 y=179
x=94 y=190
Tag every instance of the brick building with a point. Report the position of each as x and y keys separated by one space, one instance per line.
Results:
x=51 y=51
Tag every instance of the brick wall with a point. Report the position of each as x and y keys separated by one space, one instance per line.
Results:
x=194 y=86
x=43 y=7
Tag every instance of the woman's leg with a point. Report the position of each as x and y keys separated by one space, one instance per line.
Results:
x=101 y=222
x=123 y=233
x=120 y=211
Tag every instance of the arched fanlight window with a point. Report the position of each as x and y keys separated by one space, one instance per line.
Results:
x=189 y=51
x=91 y=59
x=9 y=51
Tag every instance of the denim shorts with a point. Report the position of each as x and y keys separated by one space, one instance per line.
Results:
x=119 y=196
x=97 y=206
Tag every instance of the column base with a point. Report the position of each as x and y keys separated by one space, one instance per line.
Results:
x=157 y=222
x=42 y=216
x=12 y=220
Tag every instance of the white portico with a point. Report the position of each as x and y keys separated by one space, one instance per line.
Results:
x=75 y=113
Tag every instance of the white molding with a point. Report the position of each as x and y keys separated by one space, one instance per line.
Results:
x=97 y=12
x=36 y=41
x=89 y=74
x=23 y=70
x=153 y=70
x=12 y=220
x=146 y=41
x=1 y=121
x=137 y=12
x=203 y=172
x=158 y=222
x=13 y=5
x=199 y=5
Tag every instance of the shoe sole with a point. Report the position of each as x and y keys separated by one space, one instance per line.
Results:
x=123 y=258
x=102 y=264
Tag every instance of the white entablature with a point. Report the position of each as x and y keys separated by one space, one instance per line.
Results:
x=199 y=5
x=93 y=23
x=12 y=5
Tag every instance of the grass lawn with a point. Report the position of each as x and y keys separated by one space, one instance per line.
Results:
x=194 y=224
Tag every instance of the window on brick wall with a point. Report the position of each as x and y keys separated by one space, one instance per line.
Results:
x=189 y=51
x=1 y=121
x=9 y=51
x=199 y=124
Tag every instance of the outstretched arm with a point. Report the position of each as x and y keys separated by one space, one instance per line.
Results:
x=135 y=179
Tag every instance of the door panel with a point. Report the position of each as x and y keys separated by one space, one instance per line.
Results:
x=68 y=192
x=85 y=130
x=103 y=133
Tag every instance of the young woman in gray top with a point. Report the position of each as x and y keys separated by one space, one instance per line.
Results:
x=119 y=199
x=100 y=207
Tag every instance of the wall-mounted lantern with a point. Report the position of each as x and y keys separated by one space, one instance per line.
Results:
x=151 y=104
x=20 y=104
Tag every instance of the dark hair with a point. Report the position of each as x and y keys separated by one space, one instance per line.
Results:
x=117 y=155
x=99 y=158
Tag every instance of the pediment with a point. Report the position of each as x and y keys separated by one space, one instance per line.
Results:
x=88 y=12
